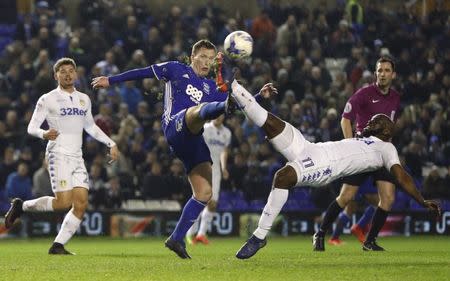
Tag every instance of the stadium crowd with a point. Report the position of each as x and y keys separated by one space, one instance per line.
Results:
x=315 y=57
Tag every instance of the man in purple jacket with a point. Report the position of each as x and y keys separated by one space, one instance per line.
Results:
x=361 y=107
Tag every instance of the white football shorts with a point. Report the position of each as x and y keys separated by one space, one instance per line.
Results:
x=66 y=172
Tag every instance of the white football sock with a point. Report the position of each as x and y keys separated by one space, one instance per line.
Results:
x=68 y=228
x=275 y=202
x=205 y=221
x=41 y=204
x=193 y=229
x=248 y=104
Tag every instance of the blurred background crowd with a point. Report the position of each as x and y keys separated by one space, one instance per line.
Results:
x=317 y=56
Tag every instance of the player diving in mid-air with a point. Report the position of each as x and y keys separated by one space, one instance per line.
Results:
x=317 y=164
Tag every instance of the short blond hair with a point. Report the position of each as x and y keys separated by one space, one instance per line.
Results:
x=63 y=61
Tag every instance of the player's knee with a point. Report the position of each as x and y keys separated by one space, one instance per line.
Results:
x=62 y=204
x=203 y=195
x=344 y=198
x=193 y=120
x=80 y=205
x=273 y=126
x=212 y=205
x=285 y=178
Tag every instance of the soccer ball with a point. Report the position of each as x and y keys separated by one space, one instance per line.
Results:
x=238 y=44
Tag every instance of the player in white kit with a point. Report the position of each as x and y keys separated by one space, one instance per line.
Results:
x=317 y=164
x=218 y=138
x=67 y=112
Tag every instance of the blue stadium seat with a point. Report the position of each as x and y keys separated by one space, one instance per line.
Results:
x=292 y=205
x=445 y=205
x=4 y=41
x=256 y=205
x=7 y=30
x=402 y=201
x=415 y=206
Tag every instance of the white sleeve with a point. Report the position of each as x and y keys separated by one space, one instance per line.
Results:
x=39 y=115
x=390 y=156
x=92 y=129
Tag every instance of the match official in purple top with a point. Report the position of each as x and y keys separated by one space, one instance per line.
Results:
x=360 y=108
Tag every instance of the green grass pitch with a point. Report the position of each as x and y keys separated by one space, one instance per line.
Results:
x=290 y=258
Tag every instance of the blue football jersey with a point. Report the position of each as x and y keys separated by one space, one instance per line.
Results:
x=184 y=88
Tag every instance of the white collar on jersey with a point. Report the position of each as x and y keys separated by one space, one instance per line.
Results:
x=64 y=91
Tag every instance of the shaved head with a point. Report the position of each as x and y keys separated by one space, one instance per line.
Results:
x=380 y=126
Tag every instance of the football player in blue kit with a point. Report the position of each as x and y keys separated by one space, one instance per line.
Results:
x=190 y=99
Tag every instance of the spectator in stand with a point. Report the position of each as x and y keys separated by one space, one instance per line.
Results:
x=41 y=181
x=264 y=33
x=18 y=184
x=113 y=199
x=104 y=120
x=107 y=66
x=154 y=185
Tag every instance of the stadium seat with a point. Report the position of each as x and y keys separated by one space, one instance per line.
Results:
x=401 y=202
x=256 y=205
x=445 y=205
x=415 y=206
x=170 y=205
x=7 y=30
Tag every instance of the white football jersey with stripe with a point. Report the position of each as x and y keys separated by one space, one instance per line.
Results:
x=69 y=114
x=317 y=164
x=217 y=139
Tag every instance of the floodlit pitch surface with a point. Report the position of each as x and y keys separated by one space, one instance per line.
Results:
x=284 y=258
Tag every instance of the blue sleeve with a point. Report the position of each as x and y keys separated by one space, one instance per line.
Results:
x=167 y=70
x=134 y=74
x=258 y=98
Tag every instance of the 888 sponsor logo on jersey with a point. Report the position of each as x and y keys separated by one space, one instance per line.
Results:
x=194 y=93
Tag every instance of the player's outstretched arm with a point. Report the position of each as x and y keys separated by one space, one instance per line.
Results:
x=134 y=74
x=407 y=182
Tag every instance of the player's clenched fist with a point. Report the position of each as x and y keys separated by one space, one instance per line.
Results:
x=100 y=82
x=51 y=134
x=114 y=153
x=433 y=206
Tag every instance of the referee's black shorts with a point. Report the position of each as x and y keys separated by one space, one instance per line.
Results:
x=378 y=175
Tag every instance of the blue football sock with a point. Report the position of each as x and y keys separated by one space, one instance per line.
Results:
x=212 y=110
x=190 y=213
x=343 y=220
x=366 y=217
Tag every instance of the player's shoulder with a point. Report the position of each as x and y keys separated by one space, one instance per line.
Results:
x=364 y=90
x=83 y=95
x=49 y=95
x=385 y=145
x=171 y=64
